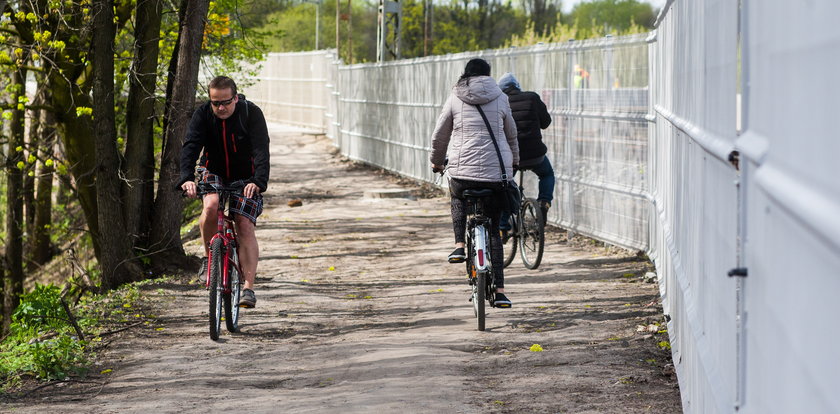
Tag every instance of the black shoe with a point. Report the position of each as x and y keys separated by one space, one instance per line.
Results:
x=202 y=273
x=457 y=256
x=248 y=300
x=501 y=301
x=544 y=206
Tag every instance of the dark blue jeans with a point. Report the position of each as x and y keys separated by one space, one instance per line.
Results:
x=545 y=173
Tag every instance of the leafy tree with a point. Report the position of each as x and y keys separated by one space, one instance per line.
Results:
x=168 y=204
x=13 y=284
x=543 y=14
x=293 y=29
x=601 y=17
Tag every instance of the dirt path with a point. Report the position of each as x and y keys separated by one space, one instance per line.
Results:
x=359 y=312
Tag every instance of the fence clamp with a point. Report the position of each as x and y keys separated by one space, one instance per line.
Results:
x=738 y=271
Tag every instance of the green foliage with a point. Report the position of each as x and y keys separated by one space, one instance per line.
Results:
x=228 y=44
x=293 y=29
x=40 y=309
x=602 y=17
x=461 y=25
x=42 y=343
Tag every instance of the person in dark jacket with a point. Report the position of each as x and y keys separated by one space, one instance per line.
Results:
x=531 y=116
x=231 y=137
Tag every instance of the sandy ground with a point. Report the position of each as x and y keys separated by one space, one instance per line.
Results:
x=359 y=312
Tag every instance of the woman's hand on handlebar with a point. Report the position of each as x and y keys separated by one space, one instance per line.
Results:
x=190 y=189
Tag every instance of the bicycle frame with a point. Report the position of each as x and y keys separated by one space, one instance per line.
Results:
x=479 y=263
x=227 y=232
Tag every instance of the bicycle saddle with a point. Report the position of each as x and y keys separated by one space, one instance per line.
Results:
x=478 y=192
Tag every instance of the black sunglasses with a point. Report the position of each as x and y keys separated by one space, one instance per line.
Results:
x=220 y=103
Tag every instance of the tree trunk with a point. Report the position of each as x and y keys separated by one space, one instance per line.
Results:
x=116 y=258
x=138 y=190
x=5 y=317
x=13 y=286
x=166 y=224
x=42 y=250
x=77 y=137
x=29 y=179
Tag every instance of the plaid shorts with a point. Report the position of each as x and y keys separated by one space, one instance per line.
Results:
x=251 y=208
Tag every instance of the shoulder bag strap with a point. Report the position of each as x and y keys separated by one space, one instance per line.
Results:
x=495 y=145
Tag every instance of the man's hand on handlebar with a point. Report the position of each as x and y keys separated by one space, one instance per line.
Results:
x=250 y=190
x=190 y=189
x=437 y=168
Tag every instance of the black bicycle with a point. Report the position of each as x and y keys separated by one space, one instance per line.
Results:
x=479 y=247
x=527 y=232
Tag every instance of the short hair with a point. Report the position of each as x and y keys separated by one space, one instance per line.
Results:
x=476 y=67
x=223 y=82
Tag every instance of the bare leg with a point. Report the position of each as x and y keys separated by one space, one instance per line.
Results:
x=249 y=249
x=207 y=222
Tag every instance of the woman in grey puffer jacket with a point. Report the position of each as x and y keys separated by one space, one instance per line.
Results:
x=462 y=134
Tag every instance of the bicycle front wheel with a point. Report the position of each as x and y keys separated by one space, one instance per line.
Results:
x=479 y=297
x=532 y=234
x=232 y=299
x=216 y=290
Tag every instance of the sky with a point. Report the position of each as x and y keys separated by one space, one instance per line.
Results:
x=569 y=4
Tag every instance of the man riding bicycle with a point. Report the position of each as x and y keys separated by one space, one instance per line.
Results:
x=531 y=115
x=231 y=137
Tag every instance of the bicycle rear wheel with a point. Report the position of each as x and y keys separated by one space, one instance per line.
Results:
x=216 y=291
x=479 y=297
x=232 y=299
x=532 y=235
x=509 y=244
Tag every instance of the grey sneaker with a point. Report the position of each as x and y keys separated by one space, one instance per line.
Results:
x=248 y=300
x=202 y=273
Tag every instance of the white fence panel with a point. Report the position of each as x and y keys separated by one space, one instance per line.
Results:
x=292 y=88
x=597 y=140
x=791 y=146
x=694 y=225
x=760 y=344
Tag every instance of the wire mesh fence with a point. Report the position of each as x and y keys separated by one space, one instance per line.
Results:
x=384 y=114
x=644 y=134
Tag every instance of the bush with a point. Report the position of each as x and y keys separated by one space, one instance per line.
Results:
x=42 y=342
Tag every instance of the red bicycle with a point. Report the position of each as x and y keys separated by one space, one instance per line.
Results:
x=224 y=279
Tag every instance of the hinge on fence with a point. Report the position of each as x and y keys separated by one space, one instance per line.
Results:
x=738 y=271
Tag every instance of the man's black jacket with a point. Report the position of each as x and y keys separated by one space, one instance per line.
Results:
x=530 y=115
x=234 y=149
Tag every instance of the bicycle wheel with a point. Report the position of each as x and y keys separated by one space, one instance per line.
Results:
x=479 y=297
x=509 y=243
x=232 y=299
x=216 y=291
x=531 y=237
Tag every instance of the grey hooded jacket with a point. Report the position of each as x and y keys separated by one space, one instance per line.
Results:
x=462 y=131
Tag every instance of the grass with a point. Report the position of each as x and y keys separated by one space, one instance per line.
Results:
x=43 y=345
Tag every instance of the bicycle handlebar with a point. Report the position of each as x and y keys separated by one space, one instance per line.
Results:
x=236 y=188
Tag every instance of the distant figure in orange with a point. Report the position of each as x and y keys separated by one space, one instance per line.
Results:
x=581 y=77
